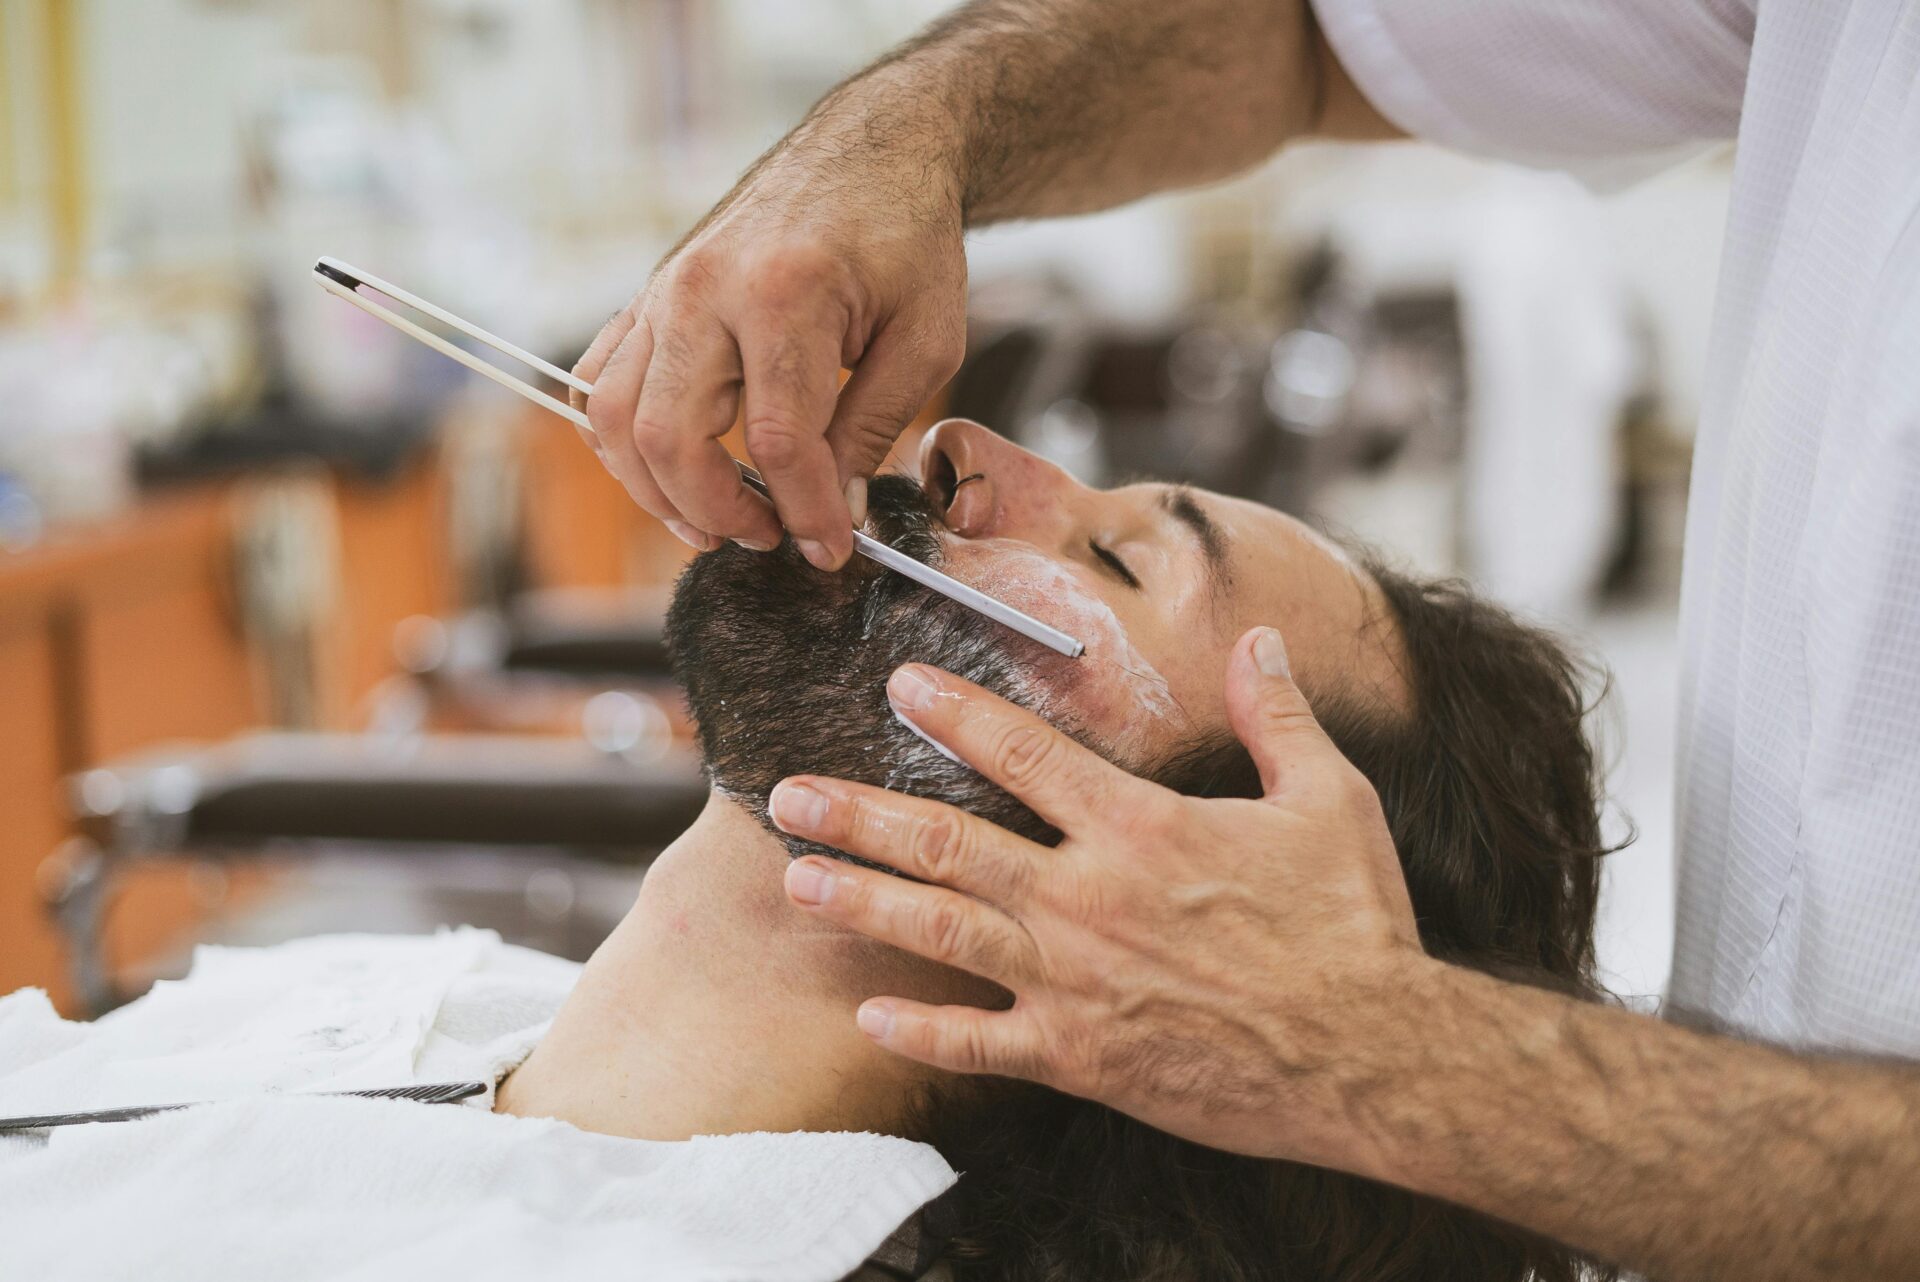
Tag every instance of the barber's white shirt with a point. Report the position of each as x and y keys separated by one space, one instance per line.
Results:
x=1799 y=794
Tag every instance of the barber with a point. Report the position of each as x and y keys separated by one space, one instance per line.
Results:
x=1248 y=974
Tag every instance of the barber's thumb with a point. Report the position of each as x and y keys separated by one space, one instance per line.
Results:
x=858 y=455
x=1268 y=711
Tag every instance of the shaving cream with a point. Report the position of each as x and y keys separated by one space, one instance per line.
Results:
x=1028 y=579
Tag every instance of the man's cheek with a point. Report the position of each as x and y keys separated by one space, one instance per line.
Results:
x=1112 y=684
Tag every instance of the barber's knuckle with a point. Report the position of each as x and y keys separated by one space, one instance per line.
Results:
x=946 y=351
x=792 y=274
x=1353 y=791
x=931 y=351
x=656 y=437
x=946 y=931
x=971 y=1047
x=606 y=418
x=694 y=276
x=776 y=440
x=940 y=846
x=1026 y=756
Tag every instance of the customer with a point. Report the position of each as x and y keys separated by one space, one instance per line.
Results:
x=714 y=1007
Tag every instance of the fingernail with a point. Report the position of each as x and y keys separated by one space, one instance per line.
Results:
x=910 y=689
x=753 y=546
x=816 y=553
x=795 y=805
x=875 y=1021
x=857 y=500
x=808 y=883
x=688 y=535
x=1270 y=653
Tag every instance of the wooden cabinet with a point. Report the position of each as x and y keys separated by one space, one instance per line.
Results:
x=32 y=822
x=111 y=639
x=395 y=562
x=128 y=635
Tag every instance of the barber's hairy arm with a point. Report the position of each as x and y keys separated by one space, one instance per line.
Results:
x=1248 y=974
x=1677 y=1153
x=841 y=247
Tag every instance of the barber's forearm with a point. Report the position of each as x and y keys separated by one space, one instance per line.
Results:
x=1650 y=1146
x=1040 y=107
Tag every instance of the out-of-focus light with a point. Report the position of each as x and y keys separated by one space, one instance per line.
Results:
x=173 y=790
x=624 y=724
x=1067 y=432
x=20 y=521
x=1205 y=366
x=549 y=894
x=101 y=792
x=1308 y=380
x=420 y=643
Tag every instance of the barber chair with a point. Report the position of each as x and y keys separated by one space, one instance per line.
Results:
x=583 y=646
x=546 y=662
x=605 y=637
x=467 y=811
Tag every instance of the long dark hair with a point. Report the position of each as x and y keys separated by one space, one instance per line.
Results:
x=1491 y=790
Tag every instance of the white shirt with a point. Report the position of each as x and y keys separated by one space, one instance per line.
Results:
x=1799 y=742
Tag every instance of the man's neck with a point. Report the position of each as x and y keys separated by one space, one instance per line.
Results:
x=716 y=1007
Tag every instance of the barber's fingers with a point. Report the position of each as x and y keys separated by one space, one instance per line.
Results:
x=1272 y=718
x=895 y=378
x=1061 y=781
x=617 y=377
x=687 y=402
x=941 y=925
x=594 y=360
x=930 y=840
x=792 y=371
x=615 y=365
x=959 y=1039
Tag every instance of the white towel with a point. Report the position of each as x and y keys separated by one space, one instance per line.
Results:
x=274 y=1186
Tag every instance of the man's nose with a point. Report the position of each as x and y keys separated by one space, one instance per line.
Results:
x=992 y=488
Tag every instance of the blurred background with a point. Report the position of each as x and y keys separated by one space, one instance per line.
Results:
x=304 y=628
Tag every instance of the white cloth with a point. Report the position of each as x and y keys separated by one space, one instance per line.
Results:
x=284 y=1187
x=1799 y=745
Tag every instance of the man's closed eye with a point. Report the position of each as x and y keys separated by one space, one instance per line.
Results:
x=1115 y=564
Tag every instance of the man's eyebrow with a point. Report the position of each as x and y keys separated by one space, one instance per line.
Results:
x=1181 y=504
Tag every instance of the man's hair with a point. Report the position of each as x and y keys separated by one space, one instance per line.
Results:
x=1489 y=787
x=785 y=669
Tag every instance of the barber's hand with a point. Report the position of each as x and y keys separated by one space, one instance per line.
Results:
x=841 y=248
x=1204 y=965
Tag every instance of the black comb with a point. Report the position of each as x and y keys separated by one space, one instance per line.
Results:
x=424 y=1093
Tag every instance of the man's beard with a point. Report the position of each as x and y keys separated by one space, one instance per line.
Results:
x=785 y=669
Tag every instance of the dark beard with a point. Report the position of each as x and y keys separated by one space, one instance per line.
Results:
x=785 y=669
